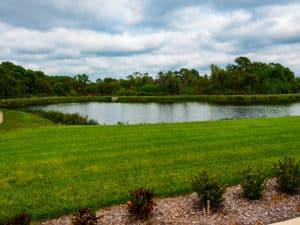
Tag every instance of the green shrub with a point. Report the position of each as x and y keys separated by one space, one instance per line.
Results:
x=22 y=219
x=252 y=183
x=287 y=172
x=208 y=188
x=140 y=204
x=85 y=216
x=65 y=118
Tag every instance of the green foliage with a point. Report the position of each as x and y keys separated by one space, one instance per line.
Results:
x=65 y=118
x=140 y=204
x=85 y=216
x=287 y=172
x=243 y=77
x=252 y=183
x=22 y=219
x=208 y=188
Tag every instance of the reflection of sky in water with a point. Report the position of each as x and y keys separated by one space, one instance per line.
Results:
x=112 y=113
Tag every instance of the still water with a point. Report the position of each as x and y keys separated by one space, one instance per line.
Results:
x=134 y=113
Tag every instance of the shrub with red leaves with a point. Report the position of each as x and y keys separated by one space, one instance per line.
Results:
x=22 y=219
x=140 y=204
x=85 y=216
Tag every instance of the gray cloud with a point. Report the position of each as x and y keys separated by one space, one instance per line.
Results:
x=118 y=37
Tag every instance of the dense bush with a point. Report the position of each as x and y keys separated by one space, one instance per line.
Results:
x=65 y=118
x=85 y=216
x=287 y=172
x=252 y=183
x=22 y=219
x=140 y=204
x=208 y=188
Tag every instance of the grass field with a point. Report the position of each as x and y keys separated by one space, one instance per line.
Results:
x=216 y=99
x=50 y=170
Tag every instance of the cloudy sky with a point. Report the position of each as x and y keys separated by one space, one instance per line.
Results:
x=117 y=37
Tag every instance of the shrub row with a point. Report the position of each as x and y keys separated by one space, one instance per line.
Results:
x=210 y=189
x=65 y=118
x=210 y=192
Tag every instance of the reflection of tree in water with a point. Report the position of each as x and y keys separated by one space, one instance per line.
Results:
x=181 y=112
x=231 y=112
x=167 y=112
x=186 y=112
x=111 y=113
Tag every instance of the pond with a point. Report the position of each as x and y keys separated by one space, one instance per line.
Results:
x=135 y=113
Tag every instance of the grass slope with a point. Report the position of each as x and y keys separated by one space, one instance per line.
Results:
x=52 y=170
x=15 y=120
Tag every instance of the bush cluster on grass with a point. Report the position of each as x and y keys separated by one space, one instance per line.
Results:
x=287 y=172
x=21 y=219
x=65 y=118
x=252 y=183
x=209 y=189
x=141 y=203
x=85 y=216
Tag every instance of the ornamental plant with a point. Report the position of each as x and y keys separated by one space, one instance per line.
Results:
x=210 y=189
x=85 y=216
x=141 y=203
x=253 y=183
x=287 y=172
x=21 y=219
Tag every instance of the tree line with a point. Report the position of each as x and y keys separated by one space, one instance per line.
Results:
x=241 y=77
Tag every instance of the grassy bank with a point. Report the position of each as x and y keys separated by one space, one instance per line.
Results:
x=51 y=170
x=16 y=120
x=24 y=102
x=216 y=99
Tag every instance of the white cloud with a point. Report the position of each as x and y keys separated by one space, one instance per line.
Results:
x=193 y=37
x=272 y=23
x=120 y=12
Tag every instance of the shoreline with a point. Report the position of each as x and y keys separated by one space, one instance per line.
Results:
x=213 y=99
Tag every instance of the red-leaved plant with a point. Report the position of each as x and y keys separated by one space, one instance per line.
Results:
x=85 y=216
x=140 y=204
x=22 y=219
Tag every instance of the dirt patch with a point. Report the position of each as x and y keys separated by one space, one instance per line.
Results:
x=184 y=210
x=1 y=117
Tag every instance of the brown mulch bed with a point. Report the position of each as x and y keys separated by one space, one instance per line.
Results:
x=185 y=210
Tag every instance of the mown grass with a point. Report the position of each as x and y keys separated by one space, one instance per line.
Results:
x=51 y=170
x=216 y=99
x=14 y=120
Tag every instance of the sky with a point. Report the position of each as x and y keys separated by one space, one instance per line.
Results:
x=118 y=37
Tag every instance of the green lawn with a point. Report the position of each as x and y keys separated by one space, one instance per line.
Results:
x=16 y=120
x=50 y=170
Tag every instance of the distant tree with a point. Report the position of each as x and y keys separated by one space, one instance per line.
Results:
x=242 y=62
x=82 y=80
x=298 y=84
x=242 y=77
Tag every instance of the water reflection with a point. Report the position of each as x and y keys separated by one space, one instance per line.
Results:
x=112 y=113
